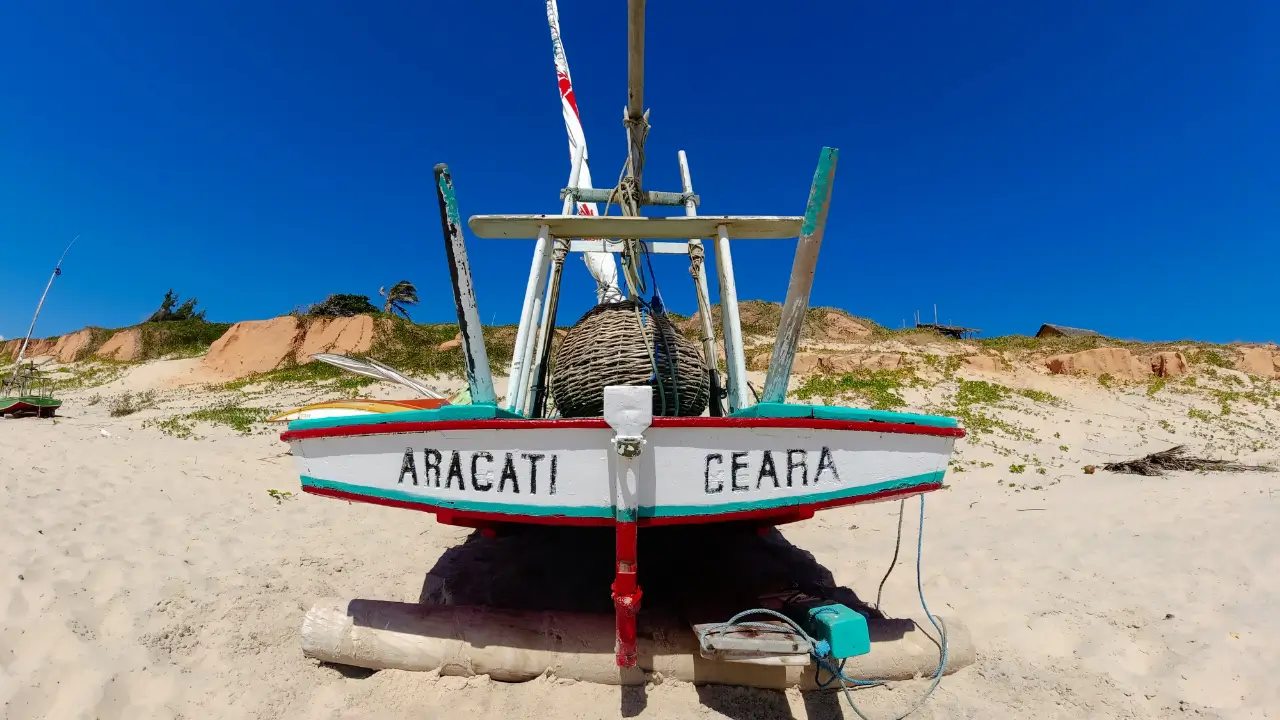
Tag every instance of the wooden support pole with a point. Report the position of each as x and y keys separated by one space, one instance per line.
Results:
x=697 y=257
x=538 y=393
x=635 y=118
x=479 y=380
x=635 y=58
x=735 y=360
x=537 y=384
x=530 y=312
x=801 y=284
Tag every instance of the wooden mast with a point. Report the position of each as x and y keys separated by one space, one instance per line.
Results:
x=57 y=270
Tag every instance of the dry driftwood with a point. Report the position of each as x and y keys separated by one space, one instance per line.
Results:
x=1176 y=458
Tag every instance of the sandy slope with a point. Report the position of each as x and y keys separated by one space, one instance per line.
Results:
x=146 y=576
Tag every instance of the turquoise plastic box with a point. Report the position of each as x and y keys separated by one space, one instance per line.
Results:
x=844 y=629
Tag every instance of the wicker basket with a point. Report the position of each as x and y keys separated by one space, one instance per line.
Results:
x=611 y=345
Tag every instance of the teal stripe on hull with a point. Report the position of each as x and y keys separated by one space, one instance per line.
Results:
x=664 y=511
x=498 y=508
x=447 y=412
x=763 y=410
x=827 y=412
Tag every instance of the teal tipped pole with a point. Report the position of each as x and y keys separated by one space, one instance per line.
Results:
x=801 y=284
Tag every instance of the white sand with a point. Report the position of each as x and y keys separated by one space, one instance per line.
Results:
x=144 y=576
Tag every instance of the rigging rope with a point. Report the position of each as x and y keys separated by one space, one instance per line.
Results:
x=627 y=193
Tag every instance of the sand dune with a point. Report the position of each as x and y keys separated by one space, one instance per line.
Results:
x=148 y=576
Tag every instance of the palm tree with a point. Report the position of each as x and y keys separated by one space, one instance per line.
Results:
x=401 y=294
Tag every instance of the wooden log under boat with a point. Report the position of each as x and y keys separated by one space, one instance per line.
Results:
x=517 y=646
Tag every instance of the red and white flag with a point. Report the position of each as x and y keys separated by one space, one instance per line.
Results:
x=601 y=265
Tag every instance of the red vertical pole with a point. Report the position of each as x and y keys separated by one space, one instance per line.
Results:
x=629 y=411
x=626 y=593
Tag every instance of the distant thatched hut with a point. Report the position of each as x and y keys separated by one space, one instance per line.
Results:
x=1048 y=330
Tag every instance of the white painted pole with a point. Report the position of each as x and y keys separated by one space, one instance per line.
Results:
x=529 y=312
x=546 y=328
x=735 y=360
x=700 y=281
x=534 y=351
x=22 y=351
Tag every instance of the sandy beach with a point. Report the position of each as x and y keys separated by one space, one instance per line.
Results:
x=152 y=576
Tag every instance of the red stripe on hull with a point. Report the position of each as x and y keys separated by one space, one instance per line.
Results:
x=771 y=516
x=715 y=423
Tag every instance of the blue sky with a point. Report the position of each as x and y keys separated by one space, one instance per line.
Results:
x=1106 y=164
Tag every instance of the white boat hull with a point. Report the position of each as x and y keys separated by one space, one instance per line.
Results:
x=692 y=469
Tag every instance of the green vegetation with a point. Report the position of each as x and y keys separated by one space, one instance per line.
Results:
x=1106 y=380
x=1168 y=426
x=945 y=364
x=172 y=426
x=1155 y=385
x=415 y=349
x=167 y=313
x=1197 y=414
x=128 y=403
x=341 y=305
x=970 y=396
x=178 y=338
x=1208 y=356
x=241 y=419
x=1047 y=345
x=1017 y=470
x=400 y=295
x=879 y=388
x=98 y=374
x=1039 y=396
x=280 y=496
x=238 y=418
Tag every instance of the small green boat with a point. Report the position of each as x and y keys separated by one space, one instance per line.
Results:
x=26 y=394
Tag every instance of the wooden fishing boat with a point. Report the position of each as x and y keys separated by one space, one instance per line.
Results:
x=29 y=405
x=581 y=441
x=26 y=394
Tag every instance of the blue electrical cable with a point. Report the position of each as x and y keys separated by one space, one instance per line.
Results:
x=821 y=651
